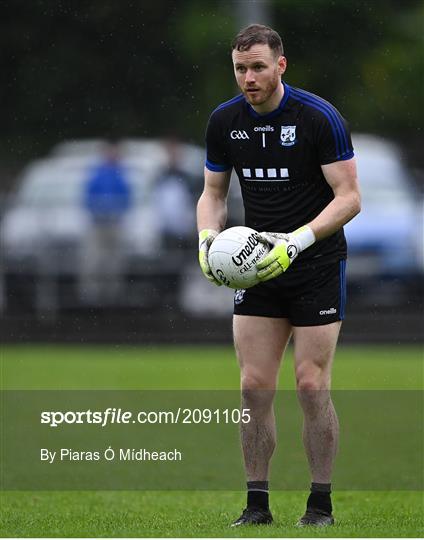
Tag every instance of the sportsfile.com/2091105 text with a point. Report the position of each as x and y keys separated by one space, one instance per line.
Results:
x=113 y=415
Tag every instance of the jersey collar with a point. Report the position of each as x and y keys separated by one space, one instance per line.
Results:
x=275 y=112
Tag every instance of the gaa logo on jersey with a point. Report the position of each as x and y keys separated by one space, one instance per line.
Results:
x=288 y=135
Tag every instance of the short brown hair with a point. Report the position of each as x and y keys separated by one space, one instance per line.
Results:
x=258 y=34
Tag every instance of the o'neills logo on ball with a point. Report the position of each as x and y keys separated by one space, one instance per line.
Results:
x=247 y=250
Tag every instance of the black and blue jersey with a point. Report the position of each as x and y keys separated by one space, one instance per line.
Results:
x=278 y=158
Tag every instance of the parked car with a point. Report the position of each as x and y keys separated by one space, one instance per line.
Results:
x=44 y=223
x=45 y=219
x=385 y=240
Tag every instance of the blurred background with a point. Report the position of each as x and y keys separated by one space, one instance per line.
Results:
x=104 y=107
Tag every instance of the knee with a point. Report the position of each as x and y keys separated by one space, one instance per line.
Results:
x=253 y=380
x=306 y=384
x=311 y=377
x=312 y=384
x=257 y=391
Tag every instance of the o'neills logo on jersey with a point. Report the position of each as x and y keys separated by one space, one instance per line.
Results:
x=263 y=128
x=246 y=250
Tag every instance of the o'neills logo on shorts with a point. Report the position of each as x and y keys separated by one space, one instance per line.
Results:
x=330 y=311
x=246 y=250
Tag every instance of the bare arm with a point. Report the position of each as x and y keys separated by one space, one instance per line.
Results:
x=341 y=176
x=343 y=180
x=212 y=205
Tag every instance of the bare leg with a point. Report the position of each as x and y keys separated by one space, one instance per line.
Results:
x=314 y=352
x=260 y=343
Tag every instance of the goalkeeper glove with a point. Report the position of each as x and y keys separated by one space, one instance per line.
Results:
x=206 y=237
x=286 y=248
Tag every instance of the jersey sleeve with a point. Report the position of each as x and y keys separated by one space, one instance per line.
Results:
x=333 y=137
x=217 y=158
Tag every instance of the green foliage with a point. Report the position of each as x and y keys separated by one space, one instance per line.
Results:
x=393 y=74
x=365 y=57
x=99 y=68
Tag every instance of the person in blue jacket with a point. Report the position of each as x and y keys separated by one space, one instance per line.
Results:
x=107 y=199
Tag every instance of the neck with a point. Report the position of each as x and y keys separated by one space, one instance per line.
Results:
x=272 y=103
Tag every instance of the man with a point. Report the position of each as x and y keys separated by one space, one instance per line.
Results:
x=293 y=155
x=107 y=198
x=173 y=199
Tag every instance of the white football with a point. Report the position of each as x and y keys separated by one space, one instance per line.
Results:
x=233 y=256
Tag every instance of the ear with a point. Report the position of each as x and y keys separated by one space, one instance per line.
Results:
x=282 y=64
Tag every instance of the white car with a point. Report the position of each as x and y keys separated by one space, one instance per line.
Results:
x=47 y=207
x=385 y=239
x=45 y=221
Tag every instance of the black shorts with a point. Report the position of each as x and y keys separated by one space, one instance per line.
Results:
x=306 y=295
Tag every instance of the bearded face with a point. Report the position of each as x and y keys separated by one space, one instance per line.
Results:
x=258 y=74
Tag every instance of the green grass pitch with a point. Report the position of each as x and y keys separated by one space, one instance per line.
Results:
x=200 y=513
